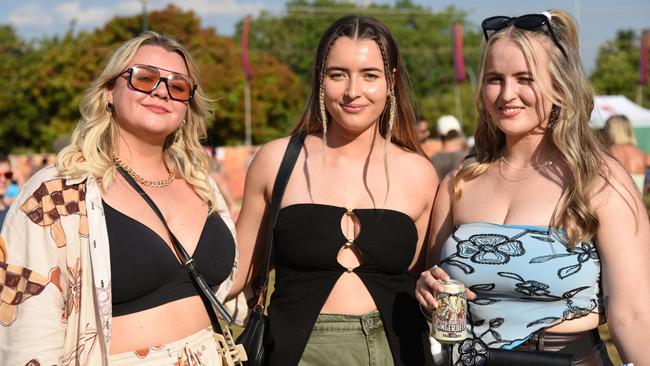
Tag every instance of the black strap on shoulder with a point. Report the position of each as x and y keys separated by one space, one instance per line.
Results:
x=279 y=186
x=209 y=300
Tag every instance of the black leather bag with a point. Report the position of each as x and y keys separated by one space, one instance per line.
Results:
x=253 y=336
x=503 y=357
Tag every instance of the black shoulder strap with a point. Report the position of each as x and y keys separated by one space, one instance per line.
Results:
x=284 y=172
x=210 y=301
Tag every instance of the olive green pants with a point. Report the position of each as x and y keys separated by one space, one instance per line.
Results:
x=351 y=340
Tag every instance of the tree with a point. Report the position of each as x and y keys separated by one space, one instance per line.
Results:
x=617 y=67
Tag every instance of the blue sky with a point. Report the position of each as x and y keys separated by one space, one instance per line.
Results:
x=599 y=20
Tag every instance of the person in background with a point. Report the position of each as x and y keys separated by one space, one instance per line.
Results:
x=354 y=215
x=542 y=225
x=454 y=146
x=621 y=142
x=6 y=176
x=88 y=274
x=422 y=129
x=428 y=145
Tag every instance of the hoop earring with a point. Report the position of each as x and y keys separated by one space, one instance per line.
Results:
x=178 y=135
x=553 y=117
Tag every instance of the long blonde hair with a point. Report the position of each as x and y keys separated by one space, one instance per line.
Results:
x=95 y=136
x=619 y=130
x=572 y=98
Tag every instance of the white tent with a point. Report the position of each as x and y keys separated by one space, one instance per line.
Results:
x=608 y=105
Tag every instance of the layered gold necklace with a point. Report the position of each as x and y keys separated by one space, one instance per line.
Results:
x=149 y=183
x=533 y=169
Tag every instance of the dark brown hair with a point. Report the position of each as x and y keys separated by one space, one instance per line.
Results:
x=363 y=27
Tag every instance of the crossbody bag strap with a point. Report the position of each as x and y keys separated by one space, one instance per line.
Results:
x=210 y=301
x=279 y=186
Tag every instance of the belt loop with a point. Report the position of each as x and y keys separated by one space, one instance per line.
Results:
x=540 y=341
x=364 y=325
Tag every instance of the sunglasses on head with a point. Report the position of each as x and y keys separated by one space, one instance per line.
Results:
x=7 y=175
x=146 y=78
x=531 y=22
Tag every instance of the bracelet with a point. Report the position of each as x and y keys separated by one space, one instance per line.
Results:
x=426 y=312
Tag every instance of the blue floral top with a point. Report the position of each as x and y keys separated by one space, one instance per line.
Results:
x=525 y=280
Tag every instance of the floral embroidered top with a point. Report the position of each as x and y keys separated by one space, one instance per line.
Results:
x=55 y=281
x=525 y=280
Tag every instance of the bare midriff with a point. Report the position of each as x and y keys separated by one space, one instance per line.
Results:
x=157 y=326
x=576 y=325
x=349 y=296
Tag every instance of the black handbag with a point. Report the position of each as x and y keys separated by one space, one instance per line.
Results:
x=232 y=353
x=252 y=338
x=504 y=357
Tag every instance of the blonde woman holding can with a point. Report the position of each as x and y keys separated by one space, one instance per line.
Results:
x=545 y=229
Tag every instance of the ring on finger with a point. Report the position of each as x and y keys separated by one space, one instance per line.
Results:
x=435 y=266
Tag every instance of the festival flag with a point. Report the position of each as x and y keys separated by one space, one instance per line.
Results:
x=643 y=62
x=244 y=49
x=459 y=60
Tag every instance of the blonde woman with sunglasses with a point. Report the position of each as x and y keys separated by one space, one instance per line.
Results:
x=88 y=274
x=544 y=228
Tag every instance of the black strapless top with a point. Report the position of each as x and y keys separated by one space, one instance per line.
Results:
x=307 y=240
x=145 y=273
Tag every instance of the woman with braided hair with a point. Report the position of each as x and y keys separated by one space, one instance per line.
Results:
x=352 y=221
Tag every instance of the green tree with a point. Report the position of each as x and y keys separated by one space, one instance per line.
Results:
x=617 y=67
x=424 y=39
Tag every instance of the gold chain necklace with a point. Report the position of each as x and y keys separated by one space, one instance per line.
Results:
x=535 y=167
x=534 y=170
x=149 y=183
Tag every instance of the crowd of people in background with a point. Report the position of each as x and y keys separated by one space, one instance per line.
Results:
x=446 y=148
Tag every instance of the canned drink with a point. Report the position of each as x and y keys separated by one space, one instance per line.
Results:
x=449 y=318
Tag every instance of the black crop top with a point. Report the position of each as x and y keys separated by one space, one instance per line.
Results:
x=307 y=239
x=145 y=273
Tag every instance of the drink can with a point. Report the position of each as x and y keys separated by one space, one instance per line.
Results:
x=449 y=318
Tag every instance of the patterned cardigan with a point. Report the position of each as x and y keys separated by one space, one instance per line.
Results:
x=55 y=281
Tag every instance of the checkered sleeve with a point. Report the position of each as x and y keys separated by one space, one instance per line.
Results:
x=32 y=304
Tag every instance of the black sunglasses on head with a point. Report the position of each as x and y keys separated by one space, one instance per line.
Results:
x=531 y=22
x=146 y=78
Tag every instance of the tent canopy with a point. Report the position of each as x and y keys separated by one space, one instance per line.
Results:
x=609 y=105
